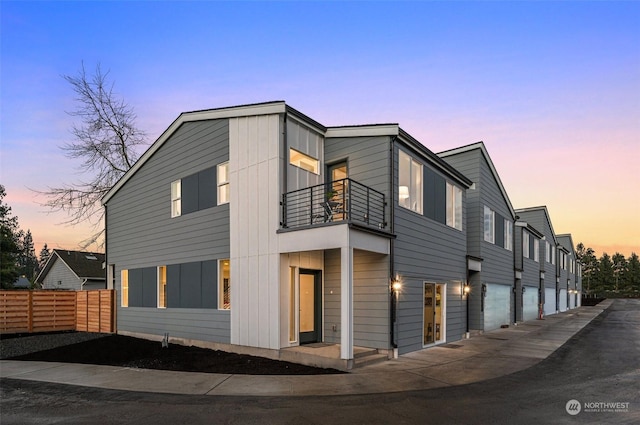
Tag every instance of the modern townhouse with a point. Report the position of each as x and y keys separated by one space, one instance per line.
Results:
x=539 y=218
x=490 y=239
x=257 y=229
x=573 y=283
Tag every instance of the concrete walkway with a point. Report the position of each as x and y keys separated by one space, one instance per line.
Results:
x=491 y=355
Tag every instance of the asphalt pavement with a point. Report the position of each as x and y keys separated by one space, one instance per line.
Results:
x=482 y=357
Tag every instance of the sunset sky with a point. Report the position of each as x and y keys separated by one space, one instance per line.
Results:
x=552 y=88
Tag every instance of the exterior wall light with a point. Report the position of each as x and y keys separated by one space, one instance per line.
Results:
x=466 y=289
x=396 y=285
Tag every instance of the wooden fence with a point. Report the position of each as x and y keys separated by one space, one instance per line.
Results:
x=45 y=311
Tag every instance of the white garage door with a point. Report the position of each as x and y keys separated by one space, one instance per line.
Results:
x=549 y=301
x=497 y=306
x=562 y=302
x=530 y=303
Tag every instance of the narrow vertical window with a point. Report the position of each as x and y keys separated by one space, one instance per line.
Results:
x=124 y=288
x=489 y=225
x=547 y=252
x=525 y=244
x=176 y=198
x=223 y=183
x=536 y=250
x=292 y=305
x=508 y=235
x=409 y=183
x=454 y=206
x=162 y=287
x=224 y=297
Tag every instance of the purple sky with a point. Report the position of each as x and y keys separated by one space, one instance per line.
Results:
x=552 y=88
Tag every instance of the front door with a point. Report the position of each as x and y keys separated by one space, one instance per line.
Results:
x=338 y=190
x=310 y=306
x=434 y=304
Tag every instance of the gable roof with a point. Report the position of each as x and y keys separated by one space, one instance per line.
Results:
x=85 y=265
x=541 y=209
x=567 y=242
x=481 y=147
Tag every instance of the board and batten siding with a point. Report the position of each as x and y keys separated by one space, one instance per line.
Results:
x=427 y=251
x=141 y=232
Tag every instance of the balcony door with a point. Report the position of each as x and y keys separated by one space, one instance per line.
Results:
x=337 y=189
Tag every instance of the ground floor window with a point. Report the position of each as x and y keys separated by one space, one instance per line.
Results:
x=162 y=287
x=124 y=288
x=224 y=284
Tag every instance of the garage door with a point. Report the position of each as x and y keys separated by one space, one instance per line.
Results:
x=549 y=301
x=562 y=302
x=497 y=306
x=572 y=300
x=530 y=303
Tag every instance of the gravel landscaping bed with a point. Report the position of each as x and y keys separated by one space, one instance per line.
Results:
x=125 y=351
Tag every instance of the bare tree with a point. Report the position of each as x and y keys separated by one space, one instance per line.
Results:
x=106 y=142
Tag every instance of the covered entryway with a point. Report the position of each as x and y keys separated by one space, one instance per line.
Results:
x=310 y=303
x=529 y=303
x=434 y=313
x=497 y=306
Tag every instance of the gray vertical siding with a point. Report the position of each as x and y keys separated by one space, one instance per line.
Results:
x=142 y=234
x=427 y=251
x=498 y=262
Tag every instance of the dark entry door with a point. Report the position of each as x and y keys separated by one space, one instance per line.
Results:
x=310 y=306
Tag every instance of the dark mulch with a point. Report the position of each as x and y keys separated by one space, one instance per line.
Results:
x=124 y=351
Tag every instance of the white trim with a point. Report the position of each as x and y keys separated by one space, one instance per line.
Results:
x=364 y=130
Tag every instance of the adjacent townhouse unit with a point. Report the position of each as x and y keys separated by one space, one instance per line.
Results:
x=490 y=239
x=528 y=266
x=257 y=229
x=572 y=287
x=539 y=218
x=74 y=270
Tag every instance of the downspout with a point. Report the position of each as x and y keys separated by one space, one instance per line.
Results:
x=393 y=295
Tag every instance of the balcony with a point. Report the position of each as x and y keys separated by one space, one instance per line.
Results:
x=341 y=201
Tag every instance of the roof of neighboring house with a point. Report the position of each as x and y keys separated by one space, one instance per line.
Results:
x=22 y=282
x=85 y=265
x=482 y=148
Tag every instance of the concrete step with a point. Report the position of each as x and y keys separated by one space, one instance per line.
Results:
x=367 y=357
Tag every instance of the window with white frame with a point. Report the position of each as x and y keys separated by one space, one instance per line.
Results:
x=489 y=225
x=508 y=235
x=410 y=190
x=536 y=250
x=525 y=244
x=124 y=288
x=547 y=252
x=176 y=198
x=223 y=183
x=454 y=206
x=304 y=161
x=553 y=255
x=162 y=287
x=224 y=285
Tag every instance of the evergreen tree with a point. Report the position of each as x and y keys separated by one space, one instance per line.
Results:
x=633 y=274
x=590 y=267
x=9 y=244
x=27 y=259
x=45 y=253
x=605 y=280
x=619 y=271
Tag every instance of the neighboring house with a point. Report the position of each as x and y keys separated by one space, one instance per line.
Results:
x=75 y=270
x=490 y=239
x=573 y=269
x=21 y=283
x=539 y=218
x=257 y=226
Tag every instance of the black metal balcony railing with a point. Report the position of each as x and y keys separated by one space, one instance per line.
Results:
x=338 y=201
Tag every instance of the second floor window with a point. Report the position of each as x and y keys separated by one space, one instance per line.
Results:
x=489 y=224
x=508 y=235
x=409 y=183
x=454 y=206
x=223 y=183
x=176 y=198
x=525 y=244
